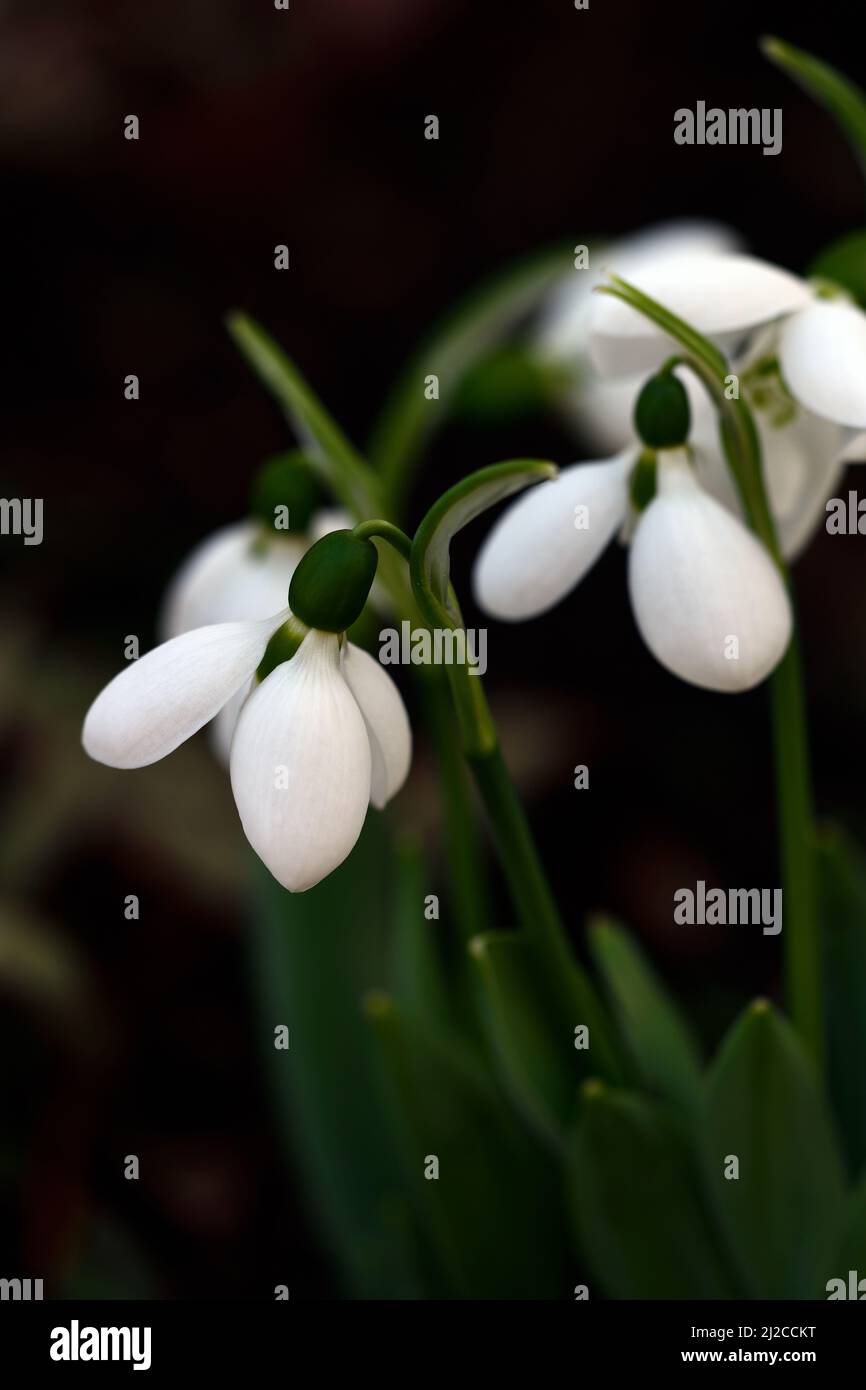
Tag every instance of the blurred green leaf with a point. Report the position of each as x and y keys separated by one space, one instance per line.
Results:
x=844 y=262
x=315 y=954
x=465 y=337
x=532 y=1044
x=659 y=1039
x=836 y=93
x=850 y=1249
x=492 y=1217
x=765 y=1107
x=416 y=966
x=636 y=1199
x=842 y=885
x=341 y=466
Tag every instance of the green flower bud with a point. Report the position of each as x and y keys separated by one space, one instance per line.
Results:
x=662 y=417
x=286 y=492
x=330 y=585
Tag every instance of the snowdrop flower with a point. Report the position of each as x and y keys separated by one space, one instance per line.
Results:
x=600 y=407
x=320 y=737
x=708 y=599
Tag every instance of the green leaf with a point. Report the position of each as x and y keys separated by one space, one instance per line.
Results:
x=636 y=1200
x=844 y=263
x=765 y=1108
x=416 y=972
x=842 y=887
x=314 y=956
x=849 y=1251
x=431 y=563
x=837 y=94
x=530 y=1040
x=342 y=468
x=658 y=1037
x=465 y=337
x=490 y=1218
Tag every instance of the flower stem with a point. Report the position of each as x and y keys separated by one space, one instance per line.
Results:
x=801 y=942
x=802 y=946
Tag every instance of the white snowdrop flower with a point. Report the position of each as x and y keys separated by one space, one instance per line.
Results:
x=601 y=407
x=323 y=734
x=707 y=597
x=820 y=339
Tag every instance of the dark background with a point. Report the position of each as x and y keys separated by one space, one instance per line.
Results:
x=260 y=127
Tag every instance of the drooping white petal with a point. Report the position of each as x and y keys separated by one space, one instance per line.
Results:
x=547 y=540
x=822 y=352
x=163 y=698
x=707 y=598
x=801 y=469
x=387 y=722
x=240 y=572
x=301 y=766
x=721 y=296
x=565 y=323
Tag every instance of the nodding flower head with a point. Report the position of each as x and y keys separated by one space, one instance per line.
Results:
x=318 y=738
x=708 y=599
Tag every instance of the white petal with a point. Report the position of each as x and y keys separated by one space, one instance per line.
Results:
x=240 y=572
x=329 y=519
x=301 y=766
x=703 y=588
x=564 y=327
x=822 y=353
x=387 y=722
x=720 y=296
x=164 y=697
x=537 y=551
x=189 y=599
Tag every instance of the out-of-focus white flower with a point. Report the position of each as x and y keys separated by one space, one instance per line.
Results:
x=598 y=406
x=708 y=599
x=323 y=734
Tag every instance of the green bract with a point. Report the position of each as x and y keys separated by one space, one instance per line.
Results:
x=331 y=584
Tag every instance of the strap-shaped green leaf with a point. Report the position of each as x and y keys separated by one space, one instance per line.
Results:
x=843 y=263
x=839 y=95
x=351 y=480
x=658 y=1037
x=636 y=1199
x=314 y=956
x=842 y=888
x=486 y=1204
x=531 y=1040
x=769 y=1130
